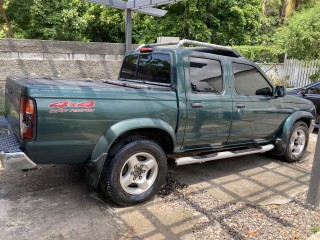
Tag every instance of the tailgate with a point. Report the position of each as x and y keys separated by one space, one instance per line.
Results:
x=13 y=91
x=11 y=156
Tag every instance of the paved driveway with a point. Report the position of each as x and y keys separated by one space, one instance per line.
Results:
x=54 y=202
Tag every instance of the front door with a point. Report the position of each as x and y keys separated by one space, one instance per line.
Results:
x=209 y=102
x=254 y=106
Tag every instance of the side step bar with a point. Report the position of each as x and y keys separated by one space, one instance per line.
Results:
x=221 y=155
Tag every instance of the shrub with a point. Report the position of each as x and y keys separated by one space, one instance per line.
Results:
x=262 y=54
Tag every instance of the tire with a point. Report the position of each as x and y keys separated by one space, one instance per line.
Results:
x=297 y=142
x=135 y=173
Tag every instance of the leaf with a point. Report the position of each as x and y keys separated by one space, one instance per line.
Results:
x=252 y=232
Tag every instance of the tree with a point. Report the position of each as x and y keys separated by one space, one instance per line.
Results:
x=9 y=32
x=283 y=7
x=217 y=21
x=104 y=24
x=300 y=35
x=41 y=19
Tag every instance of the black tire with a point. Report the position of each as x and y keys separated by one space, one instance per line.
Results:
x=296 y=143
x=119 y=169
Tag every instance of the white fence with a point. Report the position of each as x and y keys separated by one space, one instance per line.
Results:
x=295 y=72
x=298 y=72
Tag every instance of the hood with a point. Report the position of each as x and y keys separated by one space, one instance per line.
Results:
x=297 y=100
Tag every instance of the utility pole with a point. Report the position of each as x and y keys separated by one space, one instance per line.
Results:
x=314 y=185
x=128 y=30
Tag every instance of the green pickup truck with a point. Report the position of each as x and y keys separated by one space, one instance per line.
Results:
x=189 y=103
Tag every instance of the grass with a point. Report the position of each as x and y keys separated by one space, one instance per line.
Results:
x=315 y=229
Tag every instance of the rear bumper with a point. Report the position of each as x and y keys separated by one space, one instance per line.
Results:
x=11 y=157
x=16 y=161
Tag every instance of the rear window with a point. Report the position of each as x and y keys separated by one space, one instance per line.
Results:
x=152 y=67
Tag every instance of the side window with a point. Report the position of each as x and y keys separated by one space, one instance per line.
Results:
x=315 y=89
x=154 y=68
x=129 y=67
x=249 y=81
x=206 y=75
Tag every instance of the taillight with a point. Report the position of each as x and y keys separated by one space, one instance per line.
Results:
x=27 y=118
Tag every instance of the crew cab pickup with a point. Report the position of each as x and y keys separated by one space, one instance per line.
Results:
x=180 y=103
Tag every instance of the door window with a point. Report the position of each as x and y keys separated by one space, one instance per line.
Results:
x=249 y=81
x=206 y=75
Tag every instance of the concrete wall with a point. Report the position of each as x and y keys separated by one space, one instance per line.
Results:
x=72 y=60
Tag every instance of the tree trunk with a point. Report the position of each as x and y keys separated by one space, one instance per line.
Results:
x=4 y=15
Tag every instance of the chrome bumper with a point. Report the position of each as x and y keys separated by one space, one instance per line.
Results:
x=11 y=157
x=16 y=161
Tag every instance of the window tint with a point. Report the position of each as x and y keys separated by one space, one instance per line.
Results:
x=249 y=81
x=206 y=75
x=313 y=90
x=129 y=67
x=154 y=68
x=147 y=67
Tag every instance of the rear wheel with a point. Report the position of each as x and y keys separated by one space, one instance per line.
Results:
x=297 y=142
x=135 y=173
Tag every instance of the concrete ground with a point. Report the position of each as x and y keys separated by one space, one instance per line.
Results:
x=54 y=202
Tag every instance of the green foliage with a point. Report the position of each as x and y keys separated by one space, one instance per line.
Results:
x=104 y=24
x=262 y=54
x=2 y=34
x=217 y=21
x=300 y=37
x=231 y=22
x=315 y=229
x=42 y=19
x=269 y=25
x=315 y=77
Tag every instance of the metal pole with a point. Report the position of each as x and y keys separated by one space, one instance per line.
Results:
x=314 y=186
x=128 y=30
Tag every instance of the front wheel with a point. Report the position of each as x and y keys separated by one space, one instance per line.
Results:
x=135 y=173
x=297 y=142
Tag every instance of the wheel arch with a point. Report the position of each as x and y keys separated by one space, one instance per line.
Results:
x=118 y=134
x=306 y=117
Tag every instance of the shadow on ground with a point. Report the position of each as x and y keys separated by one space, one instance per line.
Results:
x=54 y=202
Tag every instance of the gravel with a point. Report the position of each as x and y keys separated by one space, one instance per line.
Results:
x=294 y=220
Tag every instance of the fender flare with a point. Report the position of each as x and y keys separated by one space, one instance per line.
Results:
x=282 y=139
x=95 y=165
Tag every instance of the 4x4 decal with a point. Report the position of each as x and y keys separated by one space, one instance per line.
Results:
x=69 y=106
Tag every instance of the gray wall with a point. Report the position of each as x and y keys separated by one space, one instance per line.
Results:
x=72 y=60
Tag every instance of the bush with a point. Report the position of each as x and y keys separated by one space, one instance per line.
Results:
x=262 y=54
x=301 y=33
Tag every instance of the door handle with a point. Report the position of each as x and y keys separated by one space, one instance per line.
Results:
x=240 y=105
x=197 y=105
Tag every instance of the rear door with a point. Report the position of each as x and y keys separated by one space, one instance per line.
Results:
x=209 y=103
x=254 y=107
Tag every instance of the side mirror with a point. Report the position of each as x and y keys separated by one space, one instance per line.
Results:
x=264 y=91
x=280 y=91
